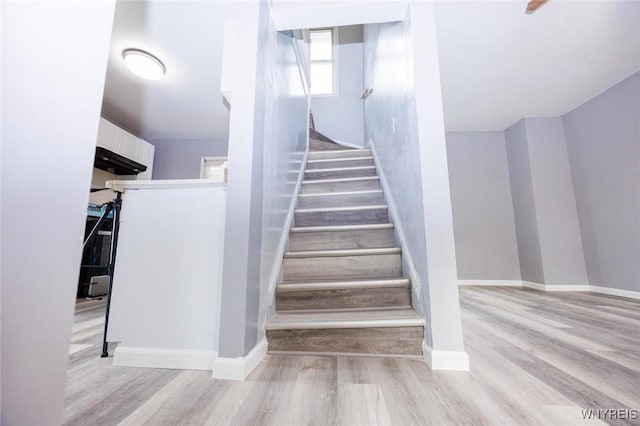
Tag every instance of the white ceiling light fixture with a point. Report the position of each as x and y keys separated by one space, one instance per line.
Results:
x=143 y=64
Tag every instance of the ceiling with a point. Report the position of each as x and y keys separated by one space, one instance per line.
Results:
x=497 y=64
x=186 y=104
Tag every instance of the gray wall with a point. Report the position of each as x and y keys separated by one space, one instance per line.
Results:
x=486 y=247
x=554 y=202
x=405 y=123
x=181 y=160
x=523 y=204
x=267 y=138
x=50 y=118
x=549 y=240
x=603 y=140
x=341 y=117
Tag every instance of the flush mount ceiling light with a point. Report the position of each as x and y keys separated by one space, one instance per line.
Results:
x=143 y=64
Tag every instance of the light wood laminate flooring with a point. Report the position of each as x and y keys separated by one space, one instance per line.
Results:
x=536 y=358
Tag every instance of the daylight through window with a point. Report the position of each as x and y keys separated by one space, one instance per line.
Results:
x=322 y=62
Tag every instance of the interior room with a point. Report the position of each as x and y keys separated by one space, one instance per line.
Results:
x=320 y=212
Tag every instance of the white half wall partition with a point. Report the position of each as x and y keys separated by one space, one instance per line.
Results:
x=166 y=294
x=404 y=123
x=268 y=133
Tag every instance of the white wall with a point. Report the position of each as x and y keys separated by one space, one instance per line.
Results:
x=549 y=239
x=404 y=121
x=340 y=116
x=267 y=138
x=523 y=204
x=50 y=110
x=486 y=247
x=182 y=159
x=603 y=138
x=168 y=276
x=555 y=203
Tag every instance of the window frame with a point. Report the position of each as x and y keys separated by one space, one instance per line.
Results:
x=203 y=161
x=335 y=37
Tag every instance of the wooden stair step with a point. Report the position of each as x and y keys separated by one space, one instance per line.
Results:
x=342 y=215
x=341 y=237
x=339 y=172
x=329 y=163
x=341 y=199
x=355 y=294
x=359 y=319
x=342 y=264
x=380 y=332
x=340 y=185
x=341 y=153
x=320 y=145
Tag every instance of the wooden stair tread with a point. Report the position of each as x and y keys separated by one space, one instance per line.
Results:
x=339 y=180
x=304 y=285
x=338 y=228
x=342 y=209
x=330 y=194
x=342 y=252
x=328 y=160
x=348 y=319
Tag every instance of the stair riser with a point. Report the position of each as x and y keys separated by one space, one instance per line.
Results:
x=341 y=200
x=342 y=267
x=338 y=174
x=346 y=217
x=379 y=340
x=318 y=188
x=375 y=297
x=339 y=163
x=349 y=153
x=318 y=145
x=335 y=240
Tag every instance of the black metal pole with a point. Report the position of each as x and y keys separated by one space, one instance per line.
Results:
x=117 y=206
x=96 y=228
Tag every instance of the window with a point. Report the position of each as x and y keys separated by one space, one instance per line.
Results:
x=213 y=168
x=323 y=61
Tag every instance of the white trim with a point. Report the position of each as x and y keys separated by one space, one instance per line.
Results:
x=182 y=359
x=337 y=14
x=631 y=294
x=284 y=236
x=240 y=367
x=501 y=283
x=445 y=360
x=394 y=218
x=558 y=287
x=127 y=185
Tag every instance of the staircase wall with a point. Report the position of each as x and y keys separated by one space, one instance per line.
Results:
x=267 y=139
x=404 y=122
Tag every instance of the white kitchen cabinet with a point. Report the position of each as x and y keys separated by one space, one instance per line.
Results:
x=123 y=143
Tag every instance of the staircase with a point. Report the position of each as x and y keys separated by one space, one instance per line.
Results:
x=343 y=291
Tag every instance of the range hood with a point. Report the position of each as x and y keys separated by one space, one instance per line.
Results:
x=115 y=163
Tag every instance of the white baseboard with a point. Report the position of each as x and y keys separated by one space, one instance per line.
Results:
x=501 y=283
x=284 y=237
x=182 y=359
x=394 y=217
x=239 y=368
x=615 y=292
x=551 y=287
x=445 y=360
x=556 y=287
